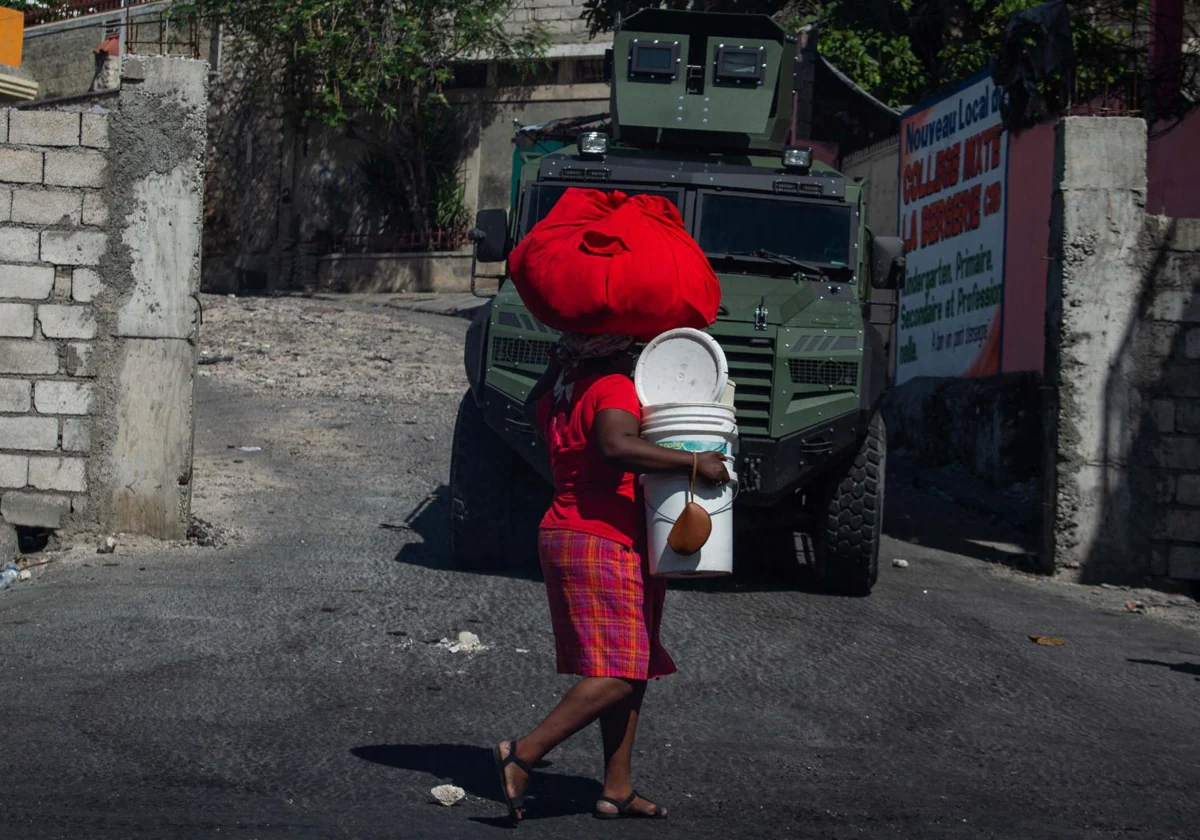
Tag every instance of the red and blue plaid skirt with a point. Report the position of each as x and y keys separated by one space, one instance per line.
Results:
x=605 y=608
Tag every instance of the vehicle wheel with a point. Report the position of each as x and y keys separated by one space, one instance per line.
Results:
x=846 y=553
x=481 y=470
x=530 y=499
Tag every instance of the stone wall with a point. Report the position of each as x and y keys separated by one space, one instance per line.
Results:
x=100 y=213
x=1122 y=458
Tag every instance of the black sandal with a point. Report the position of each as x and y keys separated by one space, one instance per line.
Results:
x=624 y=811
x=516 y=804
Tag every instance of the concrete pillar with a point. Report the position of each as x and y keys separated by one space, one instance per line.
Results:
x=1095 y=291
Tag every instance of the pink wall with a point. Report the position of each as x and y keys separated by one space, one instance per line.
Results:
x=1173 y=169
x=1030 y=180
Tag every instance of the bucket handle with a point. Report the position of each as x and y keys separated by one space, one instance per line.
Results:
x=737 y=487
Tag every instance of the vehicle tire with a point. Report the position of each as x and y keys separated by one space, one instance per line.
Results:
x=481 y=471
x=846 y=551
x=530 y=499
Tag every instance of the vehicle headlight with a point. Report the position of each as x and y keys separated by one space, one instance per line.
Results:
x=592 y=144
x=797 y=157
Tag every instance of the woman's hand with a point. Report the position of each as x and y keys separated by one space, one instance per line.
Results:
x=710 y=466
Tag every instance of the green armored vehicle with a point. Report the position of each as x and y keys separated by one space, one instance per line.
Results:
x=700 y=113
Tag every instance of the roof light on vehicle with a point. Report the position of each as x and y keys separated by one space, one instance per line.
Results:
x=798 y=158
x=592 y=144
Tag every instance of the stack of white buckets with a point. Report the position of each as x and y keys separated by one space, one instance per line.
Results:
x=682 y=380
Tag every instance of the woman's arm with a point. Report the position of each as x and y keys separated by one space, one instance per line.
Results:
x=542 y=388
x=619 y=440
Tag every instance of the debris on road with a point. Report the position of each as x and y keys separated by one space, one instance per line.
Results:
x=1047 y=641
x=900 y=564
x=249 y=449
x=214 y=360
x=108 y=546
x=1135 y=606
x=9 y=574
x=467 y=642
x=448 y=795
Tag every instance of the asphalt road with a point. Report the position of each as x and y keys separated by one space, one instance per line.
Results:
x=291 y=685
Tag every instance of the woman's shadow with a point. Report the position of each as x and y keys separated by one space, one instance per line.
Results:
x=471 y=768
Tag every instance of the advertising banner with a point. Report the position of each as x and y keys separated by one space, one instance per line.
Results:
x=952 y=197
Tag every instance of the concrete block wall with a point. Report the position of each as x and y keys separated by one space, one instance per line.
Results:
x=100 y=214
x=562 y=19
x=1122 y=457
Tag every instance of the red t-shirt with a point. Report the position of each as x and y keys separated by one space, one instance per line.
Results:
x=590 y=495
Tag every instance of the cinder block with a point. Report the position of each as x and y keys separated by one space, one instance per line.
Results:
x=1175 y=305
x=14 y=395
x=78 y=247
x=35 y=510
x=5 y=204
x=27 y=282
x=44 y=128
x=1187 y=417
x=77 y=436
x=46 y=207
x=62 y=282
x=1103 y=153
x=1163 y=412
x=16 y=320
x=1187 y=490
x=1191 y=343
x=1185 y=562
x=28 y=357
x=4 y=112
x=62 y=398
x=75 y=169
x=18 y=166
x=18 y=244
x=1178 y=525
x=60 y=321
x=1180 y=380
x=95 y=211
x=85 y=285
x=68 y=475
x=1180 y=453
x=14 y=471
x=38 y=434
x=79 y=359
x=94 y=131
x=1164 y=489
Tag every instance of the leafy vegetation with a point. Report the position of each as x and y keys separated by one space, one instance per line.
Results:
x=379 y=66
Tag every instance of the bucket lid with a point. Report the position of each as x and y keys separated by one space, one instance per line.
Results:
x=681 y=366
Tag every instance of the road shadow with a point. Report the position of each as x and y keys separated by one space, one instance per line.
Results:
x=1190 y=668
x=430 y=520
x=928 y=516
x=472 y=769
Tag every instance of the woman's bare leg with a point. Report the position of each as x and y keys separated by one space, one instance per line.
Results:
x=618 y=727
x=585 y=701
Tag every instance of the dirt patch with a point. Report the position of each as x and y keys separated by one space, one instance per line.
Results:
x=299 y=347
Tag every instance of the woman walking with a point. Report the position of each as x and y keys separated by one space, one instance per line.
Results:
x=604 y=606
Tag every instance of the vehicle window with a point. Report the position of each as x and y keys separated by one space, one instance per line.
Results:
x=542 y=198
x=815 y=233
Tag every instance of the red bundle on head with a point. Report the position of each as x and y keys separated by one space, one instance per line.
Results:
x=607 y=263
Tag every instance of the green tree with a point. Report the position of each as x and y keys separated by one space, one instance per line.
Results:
x=355 y=63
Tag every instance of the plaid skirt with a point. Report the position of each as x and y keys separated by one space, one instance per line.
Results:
x=605 y=608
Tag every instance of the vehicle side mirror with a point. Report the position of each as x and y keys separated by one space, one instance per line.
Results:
x=490 y=236
x=887 y=262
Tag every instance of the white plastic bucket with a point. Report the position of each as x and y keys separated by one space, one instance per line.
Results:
x=665 y=497
x=690 y=427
